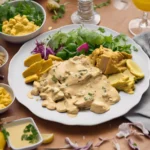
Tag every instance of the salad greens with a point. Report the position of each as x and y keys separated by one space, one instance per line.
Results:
x=27 y=8
x=83 y=41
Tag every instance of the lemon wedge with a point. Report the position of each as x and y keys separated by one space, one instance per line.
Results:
x=47 y=138
x=134 y=69
x=2 y=141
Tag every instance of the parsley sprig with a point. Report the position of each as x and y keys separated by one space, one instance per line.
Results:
x=5 y=133
x=30 y=134
x=59 y=13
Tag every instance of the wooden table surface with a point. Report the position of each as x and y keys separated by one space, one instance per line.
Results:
x=112 y=18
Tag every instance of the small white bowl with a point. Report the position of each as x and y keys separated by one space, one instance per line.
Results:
x=24 y=38
x=8 y=89
x=20 y=121
x=3 y=50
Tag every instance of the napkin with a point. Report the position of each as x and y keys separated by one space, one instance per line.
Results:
x=141 y=112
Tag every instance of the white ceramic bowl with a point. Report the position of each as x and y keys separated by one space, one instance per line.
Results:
x=3 y=50
x=8 y=89
x=20 y=121
x=24 y=38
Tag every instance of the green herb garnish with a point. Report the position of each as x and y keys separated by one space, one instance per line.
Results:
x=54 y=79
x=134 y=48
x=101 y=30
x=27 y=8
x=5 y=133
x=90 y=94
x=30 y=134
x=59 y=13
x=134 y=144
x=102 y=4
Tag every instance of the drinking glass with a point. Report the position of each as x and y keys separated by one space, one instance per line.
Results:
x=137 y=26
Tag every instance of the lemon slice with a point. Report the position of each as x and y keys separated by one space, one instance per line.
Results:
x=47 y=138
x=2 y=141
x=134 y=69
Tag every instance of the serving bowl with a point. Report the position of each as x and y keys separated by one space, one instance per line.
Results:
x=24 y=38
x=19 y=122
x=3 y=50
x=10 y=91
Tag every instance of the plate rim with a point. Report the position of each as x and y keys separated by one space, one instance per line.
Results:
x=80 y=124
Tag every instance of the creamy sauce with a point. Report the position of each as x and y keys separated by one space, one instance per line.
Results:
x=72 y=115
x=30 y=96
x=75 y=85
x=16 y=132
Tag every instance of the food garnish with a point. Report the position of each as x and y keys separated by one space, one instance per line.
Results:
x=65 y=45
x=5 y=98
x=2 y=141
x=5 y=133
x=30 y=134
x=18 y=26
x=101 y=30
x=84 y=47
x=2 y=58
x=8 y=11
x=135 y=69
x=47 y=138
x=42 y=49
x=57 y=9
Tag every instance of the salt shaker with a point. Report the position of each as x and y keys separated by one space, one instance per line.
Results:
x=85 y=13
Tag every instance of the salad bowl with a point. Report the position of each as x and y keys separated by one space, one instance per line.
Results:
x=23 y=38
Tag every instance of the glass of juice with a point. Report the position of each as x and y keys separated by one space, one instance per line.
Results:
x=137 y=26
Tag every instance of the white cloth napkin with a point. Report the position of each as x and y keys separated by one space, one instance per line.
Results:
x=141 y=112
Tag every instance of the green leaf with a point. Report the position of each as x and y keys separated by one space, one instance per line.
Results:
x=5 y=133
x=101 y=30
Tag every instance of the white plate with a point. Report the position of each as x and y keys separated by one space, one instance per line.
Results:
x=87 y=118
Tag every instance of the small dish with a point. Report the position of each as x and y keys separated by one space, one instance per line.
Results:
x=24 y=38
x=3 y=50
x=8 y=89
x=18 y=124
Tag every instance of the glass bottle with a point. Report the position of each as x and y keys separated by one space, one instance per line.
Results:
x=85 y=13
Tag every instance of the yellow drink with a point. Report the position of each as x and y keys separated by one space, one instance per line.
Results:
x=142 y=4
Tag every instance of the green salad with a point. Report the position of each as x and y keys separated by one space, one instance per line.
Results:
x=81 y=41
x=27 y=8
